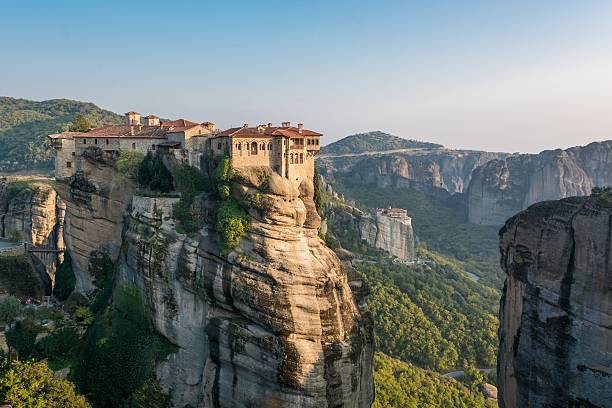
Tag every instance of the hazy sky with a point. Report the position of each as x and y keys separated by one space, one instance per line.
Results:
x=509 y=76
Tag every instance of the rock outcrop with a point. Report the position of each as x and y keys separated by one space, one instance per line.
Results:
x=442 y=169
x=272 y=323
x=96 y=201
x=555 y=315
x=501 y=188
x=33 y=212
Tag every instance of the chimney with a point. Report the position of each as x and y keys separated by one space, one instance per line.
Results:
x=269 y=124
x=246 y=125
x=133 y=118
x=286 y=124
x=300 y=126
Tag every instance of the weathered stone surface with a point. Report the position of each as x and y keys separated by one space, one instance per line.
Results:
x=556 y=314
x=443 y=169
x=271 y=323
x=501 y=188
x=35 y=215
x=96 y=201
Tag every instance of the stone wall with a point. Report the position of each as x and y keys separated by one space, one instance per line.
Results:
x=14 y=250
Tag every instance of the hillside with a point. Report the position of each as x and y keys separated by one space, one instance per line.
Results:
x=24 y=125
x=374 y=142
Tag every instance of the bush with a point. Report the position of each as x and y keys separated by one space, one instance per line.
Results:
x=75 y=300
x=10 y=308
x=59 y=345
x=32 y=384
x=23 y=337
x=119 y=354
x=65 y=280
x=80 y=124
x=153 y=174
x=128 y=163
x=232 y=224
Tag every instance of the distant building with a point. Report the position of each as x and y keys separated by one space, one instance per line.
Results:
x=288 y=150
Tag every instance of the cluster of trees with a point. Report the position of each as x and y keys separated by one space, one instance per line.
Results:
x=372 y=142
x=152 y=174
x=446 y=319
x=190 y=182
x=24 y=126
x=402 y=385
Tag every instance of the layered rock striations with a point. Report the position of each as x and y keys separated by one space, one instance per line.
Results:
x=271 y=323
x=555 y=316
x=96 y=201
x=501 y=188
x=34 y=213
x=449 y=170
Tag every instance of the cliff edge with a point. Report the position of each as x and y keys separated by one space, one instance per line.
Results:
x=555 y=315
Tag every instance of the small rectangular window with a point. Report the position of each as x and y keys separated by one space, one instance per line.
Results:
x=84 y=141
x=134 y=146
x=153 y=147
x=106 y=141
x=68 y=164
x=74 y=153
x=95 y=141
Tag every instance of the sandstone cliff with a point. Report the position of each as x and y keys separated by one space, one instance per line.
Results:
x=555 y=315
x=449 y=170
x=272 y=323
x=351 y=226
x=33 y=212
x=501 y=188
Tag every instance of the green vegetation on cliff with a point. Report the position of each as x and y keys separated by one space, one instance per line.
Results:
x=373 y=142
x=25 y=124
x=402 y=385
x=26 y=384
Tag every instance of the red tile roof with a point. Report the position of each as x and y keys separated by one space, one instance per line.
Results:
x=136 y=131
x=287 y=131
x=179 y=125
x=64 y=135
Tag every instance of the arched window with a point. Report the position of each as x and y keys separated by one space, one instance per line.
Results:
x=254 y=148
x=301 y=158
x=270 y=146
x=291 y=158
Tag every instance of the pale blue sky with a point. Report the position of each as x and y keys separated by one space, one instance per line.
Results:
x=512 y=76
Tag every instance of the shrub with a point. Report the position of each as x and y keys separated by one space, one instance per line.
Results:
x=75 y=300
x=32 y=384
x=10 y=308
x=128 y=163
x=23 y=337
x=58 y=345
x=119 y=354
x=83 y=315
x=189 y=182
x=153 y=174
x=232 y=223
x=65 y=280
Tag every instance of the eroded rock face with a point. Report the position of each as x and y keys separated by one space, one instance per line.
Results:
x=501 y=188
x=272 y=323
x=556 y=315
x=449 y=170
x=96 y=200
x=34 y=214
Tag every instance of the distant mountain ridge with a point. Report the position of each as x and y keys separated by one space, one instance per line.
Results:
x=372 y=142
x=24 y=125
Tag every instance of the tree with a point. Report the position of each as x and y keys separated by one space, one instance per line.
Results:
x=65 y=280
x=128 y=162
x=10 y=308
x=153 y=174
x=80 y=124
x=22 y=337
x=25 y=384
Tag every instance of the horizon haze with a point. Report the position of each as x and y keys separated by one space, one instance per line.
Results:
x=499 y=77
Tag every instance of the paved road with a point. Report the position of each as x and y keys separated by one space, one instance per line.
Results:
x=457 y=374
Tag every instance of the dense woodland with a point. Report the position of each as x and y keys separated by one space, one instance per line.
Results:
x=374 y=141
x=25 y=124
